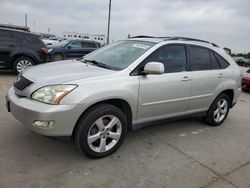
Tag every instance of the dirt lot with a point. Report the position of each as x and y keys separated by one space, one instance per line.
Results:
x=180 y=154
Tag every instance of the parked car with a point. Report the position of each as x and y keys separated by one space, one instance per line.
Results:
x=72 y=49
x=52 y=41
x=125 y=85
x=246 y=81
x=241 y=61
x=18 y=50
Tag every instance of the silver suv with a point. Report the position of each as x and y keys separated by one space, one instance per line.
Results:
x=126 y=84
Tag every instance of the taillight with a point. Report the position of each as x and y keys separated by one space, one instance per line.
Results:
x=45 y=50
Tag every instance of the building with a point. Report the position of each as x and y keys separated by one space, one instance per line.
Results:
x=74 y=35
x=16 y=27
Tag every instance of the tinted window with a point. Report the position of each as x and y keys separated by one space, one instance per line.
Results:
x=7 y=37
x=173 y=58
x=223 y=63
x=200 y=58
x=75 y=45
x=31 y=39
x=88 y=45
x=215 y=63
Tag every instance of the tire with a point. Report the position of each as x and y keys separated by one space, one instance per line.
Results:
x=216 y=115
x=22 y=63
x=94 y=130
x=58 y=57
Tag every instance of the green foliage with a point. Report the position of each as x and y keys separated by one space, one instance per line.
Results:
x=245 y=55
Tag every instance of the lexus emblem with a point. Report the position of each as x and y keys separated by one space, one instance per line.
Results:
x=18 y=78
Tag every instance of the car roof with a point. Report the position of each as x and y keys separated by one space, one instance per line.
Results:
x=83 y=40
x=173 y=39
x=18 y=31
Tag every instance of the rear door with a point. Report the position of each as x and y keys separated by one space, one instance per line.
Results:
x=166 y=95
x=7 y=47
x=88 y=47
x=207 y=77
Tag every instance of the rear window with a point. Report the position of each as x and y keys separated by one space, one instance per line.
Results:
x=7 y=37
x=88 y=45
x=200 y=58
x=31 y=39
x=223 y=63
x=214 y=62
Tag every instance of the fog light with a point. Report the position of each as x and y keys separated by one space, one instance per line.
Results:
x=44 y=124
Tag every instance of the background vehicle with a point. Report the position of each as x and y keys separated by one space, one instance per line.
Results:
x=51 y=41
x=19 y=50
x=71 y=49
x=241 y=61
x=246 y=81
x=126 y=84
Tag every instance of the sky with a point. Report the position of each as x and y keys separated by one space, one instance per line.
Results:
x=224 y=22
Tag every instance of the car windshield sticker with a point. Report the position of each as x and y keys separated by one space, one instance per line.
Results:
x=140 y=46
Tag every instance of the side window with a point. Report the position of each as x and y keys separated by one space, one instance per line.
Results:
x=173 y=57
x=223 y=63
x=75 y=44
x=88 y=45
x=214 y=62
x=7 y=37
x=200 y=58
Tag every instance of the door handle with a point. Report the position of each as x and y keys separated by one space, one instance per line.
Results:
x=185 y=79
x=221 y=75
x=11 y=45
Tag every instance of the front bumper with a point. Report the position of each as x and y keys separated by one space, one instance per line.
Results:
x=27 y=111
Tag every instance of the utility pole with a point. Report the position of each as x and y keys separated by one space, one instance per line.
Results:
x=109 y=22
x=25 y=20
x=34 y=24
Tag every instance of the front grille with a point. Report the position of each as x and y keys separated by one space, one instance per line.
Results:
x=21 y=82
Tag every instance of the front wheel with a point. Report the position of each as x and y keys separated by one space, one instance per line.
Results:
x=101 y=131
x=218 y=111
x=58 y=57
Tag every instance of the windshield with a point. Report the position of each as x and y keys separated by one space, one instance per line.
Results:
x=119 y=55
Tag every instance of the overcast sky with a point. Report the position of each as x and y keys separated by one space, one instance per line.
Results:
x=225 y=22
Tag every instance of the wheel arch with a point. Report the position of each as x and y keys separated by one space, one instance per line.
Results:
x=122 y=104
x=15 y=57
x=230 y=94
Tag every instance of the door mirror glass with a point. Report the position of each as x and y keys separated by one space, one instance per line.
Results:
x=154 y=68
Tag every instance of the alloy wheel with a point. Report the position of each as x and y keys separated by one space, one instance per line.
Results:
x=104 y=133
x=23 y=64
x=221 y=110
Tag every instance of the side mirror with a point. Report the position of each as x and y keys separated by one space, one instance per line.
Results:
x=154 y=68
x=69 y=47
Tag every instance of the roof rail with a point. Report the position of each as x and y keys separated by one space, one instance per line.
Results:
x=190 y=39
x=176 y=38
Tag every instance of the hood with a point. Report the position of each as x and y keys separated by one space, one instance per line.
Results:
x=63 y=71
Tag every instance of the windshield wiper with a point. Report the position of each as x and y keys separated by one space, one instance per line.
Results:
x=97 y=63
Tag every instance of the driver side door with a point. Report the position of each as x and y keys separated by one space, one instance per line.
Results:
x=73 y=49
x=165 y=95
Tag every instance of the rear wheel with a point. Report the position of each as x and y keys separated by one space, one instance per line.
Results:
x=101 y=131
x=58 y=57
x=22 y=63
x=218 y=111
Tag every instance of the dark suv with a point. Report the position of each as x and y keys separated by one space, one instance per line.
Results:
x=71 y=49
x=19 y=50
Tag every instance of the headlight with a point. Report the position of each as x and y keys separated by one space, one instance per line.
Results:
x=52 y=94
x=49 y=50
